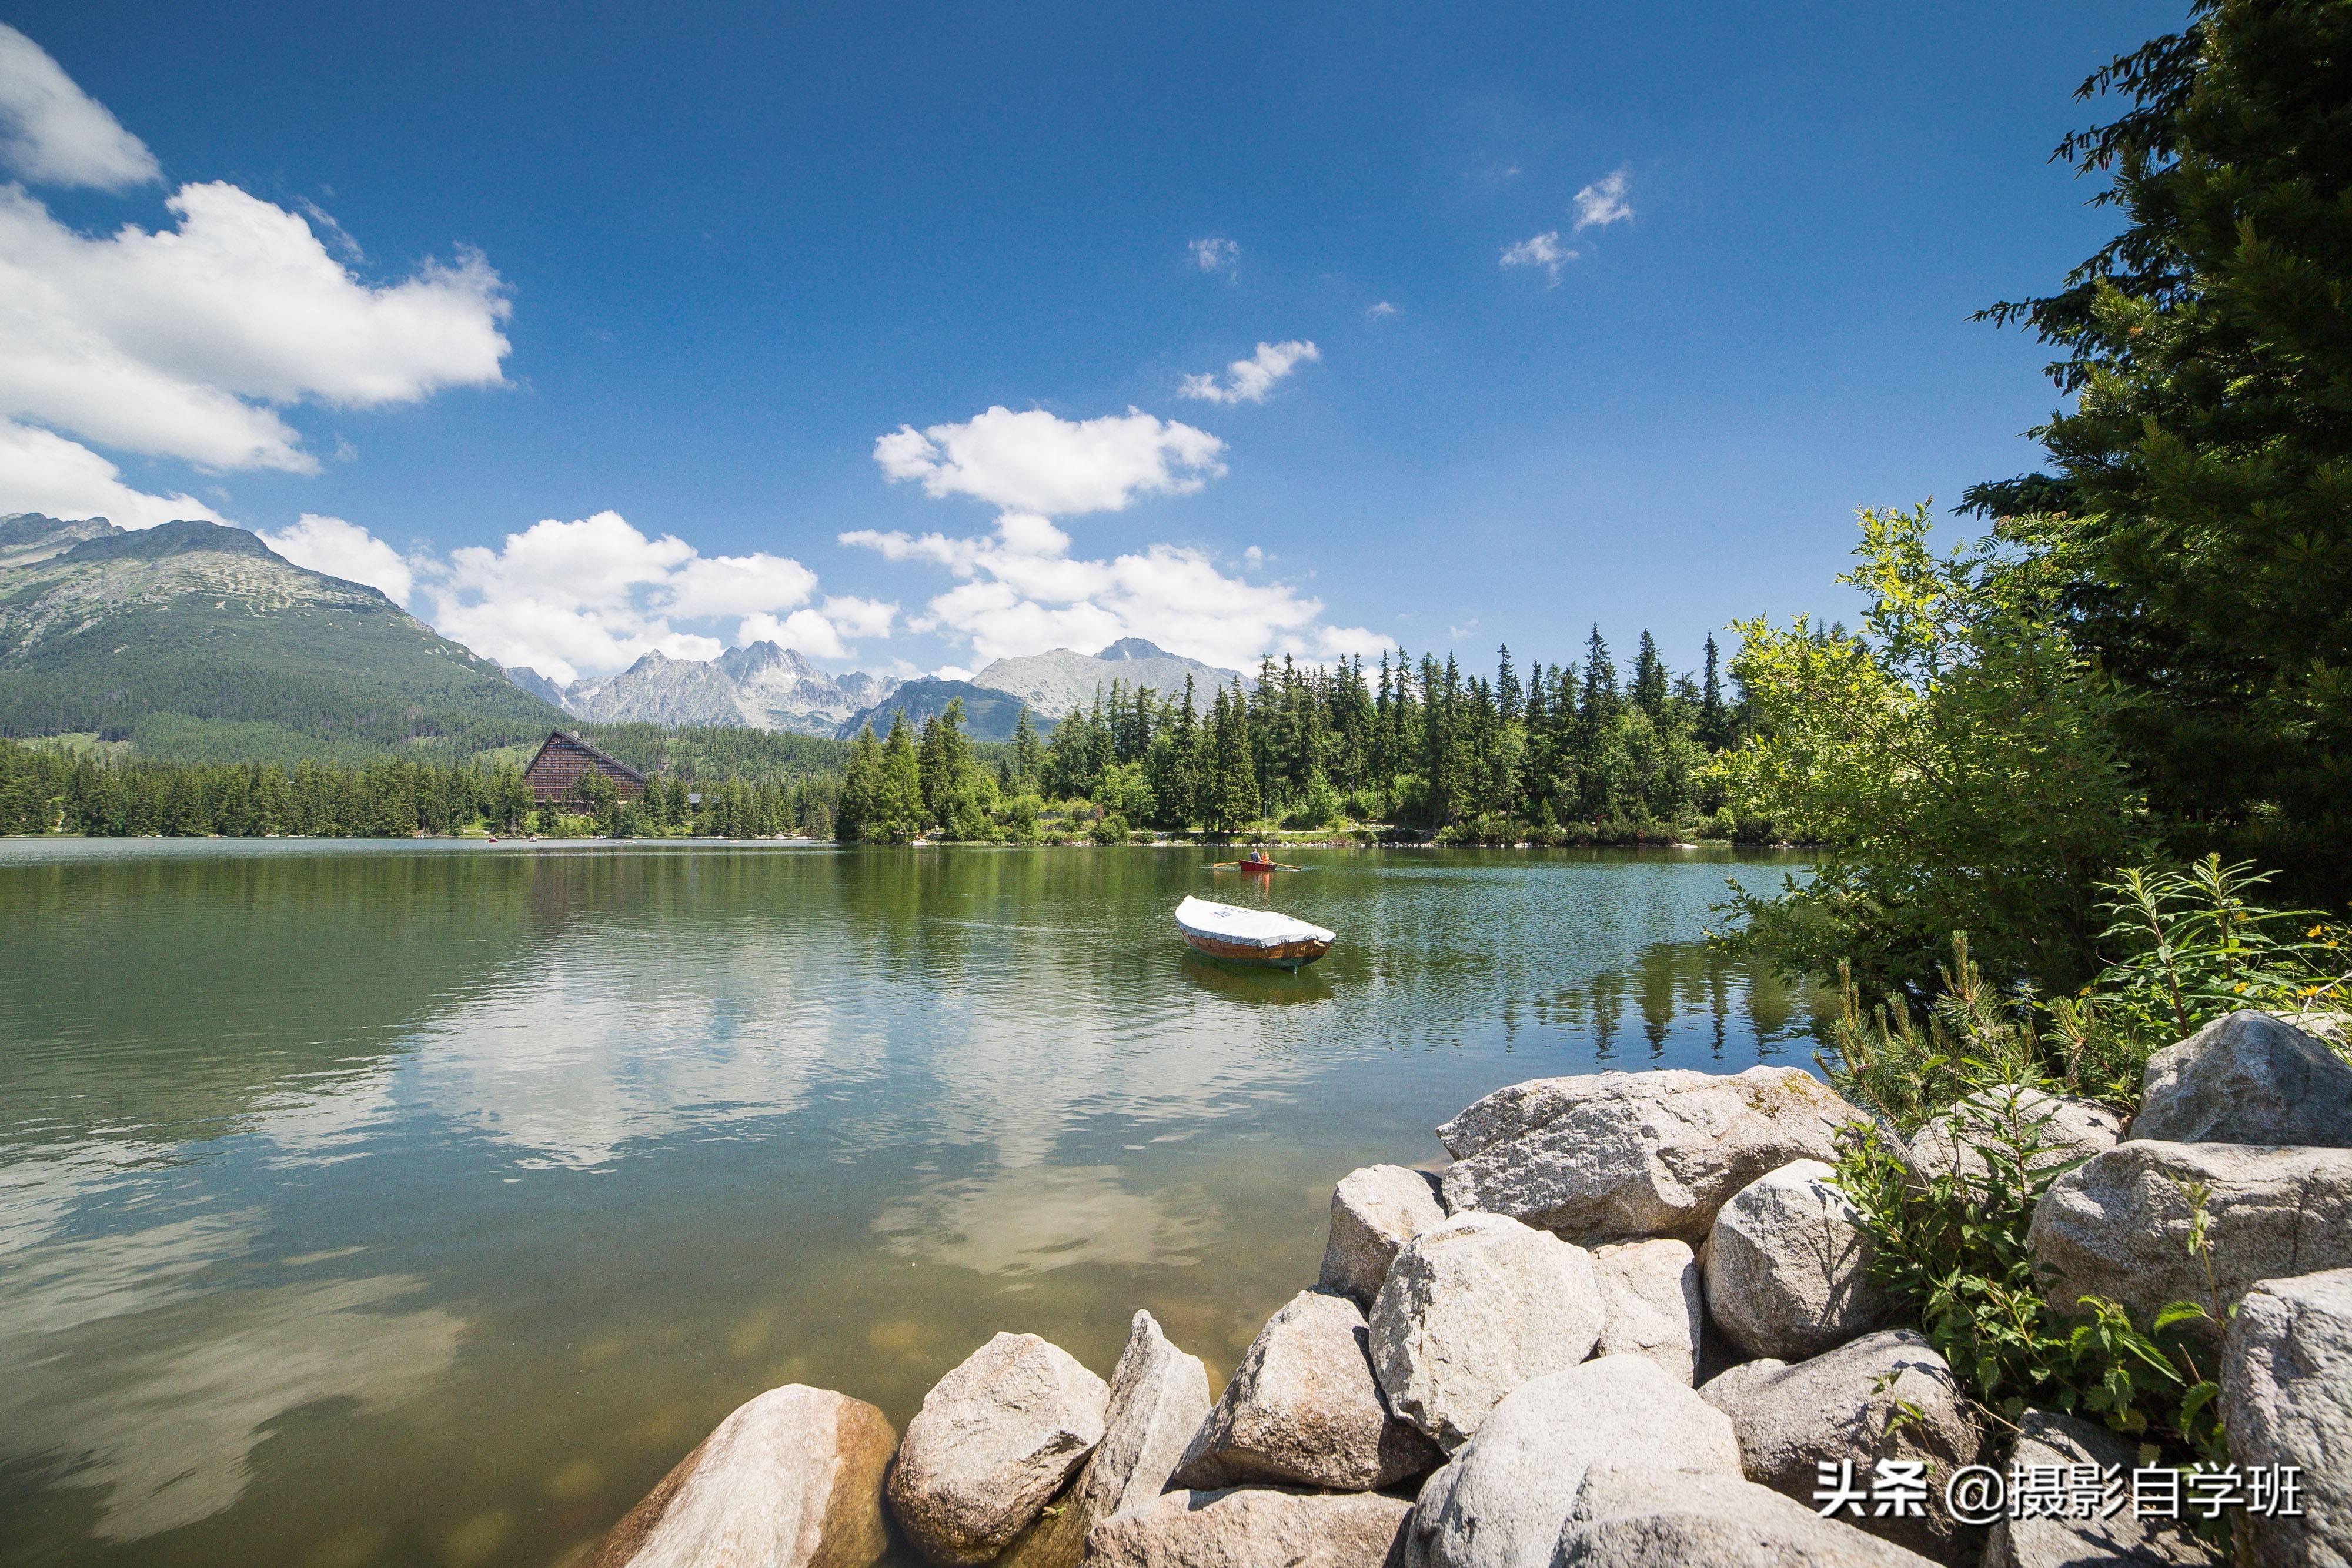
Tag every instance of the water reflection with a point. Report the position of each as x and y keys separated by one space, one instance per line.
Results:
x=323 y=1167
x=1028 y=1220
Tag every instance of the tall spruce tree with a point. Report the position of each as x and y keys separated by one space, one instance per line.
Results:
x=1650 y=682
x=2201 y=509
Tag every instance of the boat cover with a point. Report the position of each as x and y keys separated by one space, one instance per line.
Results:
x=1246 y=927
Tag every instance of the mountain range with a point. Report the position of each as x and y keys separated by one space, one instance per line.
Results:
x=198 y=638
x=764 y=686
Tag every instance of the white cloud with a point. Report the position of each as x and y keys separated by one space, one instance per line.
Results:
x=184 y=342
x=952 y=673
x=1036 y=461
x=1602 y=203
x=346 y=550
x=1024 y=592
x=732 y=585
x=40 y=472
x=856 y=617
x=1249 y=380
x=53 y=134
x=824 y=632
x=1543 y=251
x=594 y=595
x=1215 y=255
x=1381 y=309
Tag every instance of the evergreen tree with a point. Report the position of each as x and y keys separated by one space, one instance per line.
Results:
x=1714 y=729
x=2199 y=512
x=1602 y=698
x=1028 y=757
x=1649 y=684
x=898 y=814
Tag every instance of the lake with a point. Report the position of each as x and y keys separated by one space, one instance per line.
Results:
x=424 y=1202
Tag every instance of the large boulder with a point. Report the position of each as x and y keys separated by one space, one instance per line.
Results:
x=1790 y=1418
x=791 y=1480
x=1374 y=1211
x=2119 y=1227
x=2067 y=1132
x=1654 y=1302
x=1788 y=1266
x=1502 y=1499
x=2046 y=1439
x=1255 y=1527
x=2247 y=1079
x=1472 y=1310
x=2286 y=1399
x=1612 y=1155
x=995 y=1440
x=1159 y=1397
x=1304 y=1408
x=1640 y=1519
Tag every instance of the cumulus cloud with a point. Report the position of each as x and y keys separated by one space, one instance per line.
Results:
x=184 y=342
x=594 y=595
x=1381 y=308
x=1602 y=203
x=1543 y=251
x=347 y=550
x=825 y=632
x=1215 y=255
x=1250 y=379
x=41 y=472
x=188 y=342
x=53 y=134
x=1024 y=592
x=1038 y=461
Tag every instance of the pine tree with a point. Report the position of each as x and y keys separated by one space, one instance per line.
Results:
x=898 y=800
x=1649 y=684
x=1714 y=730
x=2201 y=513
x=1602 y=699
x=1028 y=752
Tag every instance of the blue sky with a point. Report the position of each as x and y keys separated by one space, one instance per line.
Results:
x=672 y=274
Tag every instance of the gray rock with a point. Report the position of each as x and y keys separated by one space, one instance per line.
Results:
x=1650 y=1291
x=1472 y=1310
x=1510 y=1487
x=1374 y=1211
x=995 y=1440
x=2046 y=1438
x=2069 y=1131
x=1304 y=1408
x=2286 y=1399
x=2247 y=1079
x=1255 y=1527
x=1635 y=1518
x=1787 y=1266
x=2118 y=1228
x=791 y=1480
x=1159 y=1397
x=1614 y=1155
x=1790 y=1416
x=1428 y=1506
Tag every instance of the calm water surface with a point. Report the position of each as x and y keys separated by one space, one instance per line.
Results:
x=423 y=1203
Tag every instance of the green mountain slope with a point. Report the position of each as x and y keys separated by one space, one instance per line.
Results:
x=193 y=637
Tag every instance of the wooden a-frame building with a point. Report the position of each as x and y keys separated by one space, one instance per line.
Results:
x=564 y=759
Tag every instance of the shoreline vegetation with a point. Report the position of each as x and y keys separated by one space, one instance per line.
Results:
x=1565 y=755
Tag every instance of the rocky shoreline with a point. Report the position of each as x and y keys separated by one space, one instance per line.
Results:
x=1627 y=1325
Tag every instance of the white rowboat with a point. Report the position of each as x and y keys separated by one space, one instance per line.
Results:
x=1251 y=935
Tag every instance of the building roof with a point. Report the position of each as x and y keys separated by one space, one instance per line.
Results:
x=602 y=759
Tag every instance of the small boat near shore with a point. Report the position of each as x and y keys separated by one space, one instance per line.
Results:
x=1251 y=935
